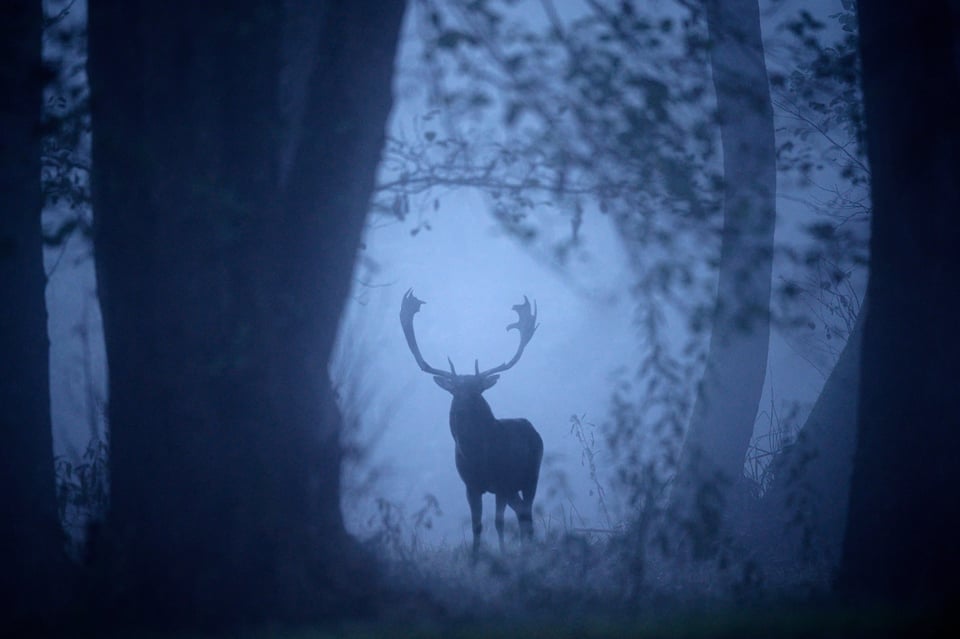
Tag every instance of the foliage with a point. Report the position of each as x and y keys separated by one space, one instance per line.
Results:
x=604 y=109
x=569 y=571
x=397 y=535
x=585 y=434
x=65 y=176
x=607 y=109
x=780 y=432
x=820 y=97
x=566 y=574
x=823 y=308
x=83 y=492
x=766 y=465
x=821 y=148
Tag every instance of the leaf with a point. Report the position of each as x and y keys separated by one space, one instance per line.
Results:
x=479 y=99
x=821 y=231
x=513 y=112
x=452 y=38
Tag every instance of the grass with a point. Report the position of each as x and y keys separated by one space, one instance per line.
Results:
x=781 y=621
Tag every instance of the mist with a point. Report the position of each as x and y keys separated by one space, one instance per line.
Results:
x=217 y=416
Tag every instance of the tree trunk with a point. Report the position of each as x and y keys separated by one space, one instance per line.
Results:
x=231 y=175
x=32 y=560
x=810 y=493
x=725 y=410
x=901 y=539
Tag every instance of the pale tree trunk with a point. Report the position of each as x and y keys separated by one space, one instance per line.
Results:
x=722 y=422
x=901 y=538
x=808 y=499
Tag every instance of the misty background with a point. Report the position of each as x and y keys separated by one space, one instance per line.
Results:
x=470 y=270
x=233 y=204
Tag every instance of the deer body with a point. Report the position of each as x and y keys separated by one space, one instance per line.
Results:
x=499 y=456
x=503 y=460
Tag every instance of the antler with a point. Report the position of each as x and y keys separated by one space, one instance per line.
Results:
x=526 y=324
x=408 y=308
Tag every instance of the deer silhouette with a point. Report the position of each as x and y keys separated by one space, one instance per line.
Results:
x=499 y=456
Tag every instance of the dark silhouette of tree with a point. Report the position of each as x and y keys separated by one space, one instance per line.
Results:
x=32 y=559
x=901 y=537
x=234 y=154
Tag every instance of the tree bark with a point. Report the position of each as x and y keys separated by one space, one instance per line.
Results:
x=901 y=539
x=725 y=410
x=32 y=559
x=810 y=493
x=227 y=224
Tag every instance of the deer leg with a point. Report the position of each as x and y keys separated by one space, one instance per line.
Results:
x=476 y=512
x=498 y=520
x=524 y=512
x=526 y=519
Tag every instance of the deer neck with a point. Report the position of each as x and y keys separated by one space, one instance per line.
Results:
x=470 y=419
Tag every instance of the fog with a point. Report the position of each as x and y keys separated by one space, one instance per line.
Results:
x=470 y=274
x=455 y=254
x=470 y=270
x=467 y=254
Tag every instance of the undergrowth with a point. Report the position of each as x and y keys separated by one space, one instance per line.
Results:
x=625 y=568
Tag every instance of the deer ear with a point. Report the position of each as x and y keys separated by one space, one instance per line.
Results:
x=445 y=383
x=489 y=381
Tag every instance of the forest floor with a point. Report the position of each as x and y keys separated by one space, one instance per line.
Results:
x=803 y=622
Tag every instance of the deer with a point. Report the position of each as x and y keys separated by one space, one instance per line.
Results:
x=499 y=456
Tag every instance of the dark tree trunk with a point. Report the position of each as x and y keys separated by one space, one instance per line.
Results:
x=726 y=406
x=901 y=540
x=31 y=541
x=229 y=208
